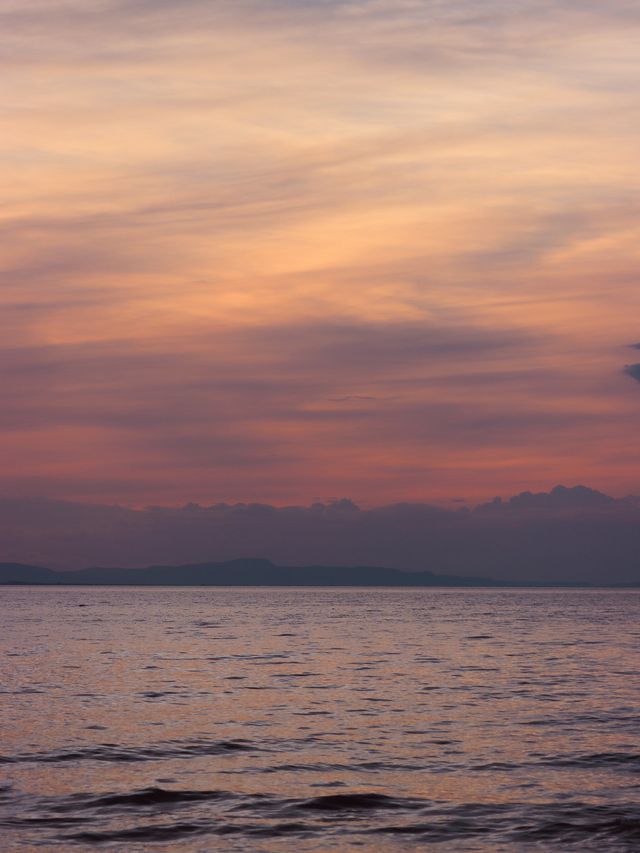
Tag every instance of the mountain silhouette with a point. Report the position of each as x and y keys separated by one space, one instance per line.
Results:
x=246 y=572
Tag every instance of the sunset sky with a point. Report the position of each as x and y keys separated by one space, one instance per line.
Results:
x=297 y=250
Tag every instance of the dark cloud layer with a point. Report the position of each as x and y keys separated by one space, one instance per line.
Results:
x=633 y=370
x=567 y=534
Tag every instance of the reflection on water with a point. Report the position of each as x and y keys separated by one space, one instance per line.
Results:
x=314 y=720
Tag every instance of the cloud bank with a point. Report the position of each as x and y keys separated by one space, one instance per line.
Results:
x=568 y=534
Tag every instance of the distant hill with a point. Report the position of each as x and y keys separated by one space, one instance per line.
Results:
x=248 y=572
x=21 y=573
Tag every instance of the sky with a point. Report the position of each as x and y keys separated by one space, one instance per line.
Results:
x=298 y=251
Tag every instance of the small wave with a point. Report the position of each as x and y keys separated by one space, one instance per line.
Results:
x=581 y=824
x=498 y=766
x=596 y=760
x=369 y=766
x=143 y=798
x=50 y=822
x=115 y=753
x=177 y=831
x=575 y=825
x=352 y=802
x=628 y=760
x=154 y=833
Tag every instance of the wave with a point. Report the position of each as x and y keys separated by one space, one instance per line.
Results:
x=596 y=760
x=115 y=753
x=627 y=760
x=89 y=818
x=352 y=802
x=168 y=832
x=146 y=797
x=177 y=831
x=588 y=826
x=581 y=826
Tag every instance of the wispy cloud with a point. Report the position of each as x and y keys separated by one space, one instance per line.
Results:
x=274 y=248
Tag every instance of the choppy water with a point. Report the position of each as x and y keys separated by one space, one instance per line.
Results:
x=315 y=720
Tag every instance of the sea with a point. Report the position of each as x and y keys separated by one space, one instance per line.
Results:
x=309 y=720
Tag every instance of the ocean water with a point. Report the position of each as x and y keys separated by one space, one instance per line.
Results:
x=283 y=720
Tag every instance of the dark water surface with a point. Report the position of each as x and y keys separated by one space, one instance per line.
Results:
x=319 y=720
